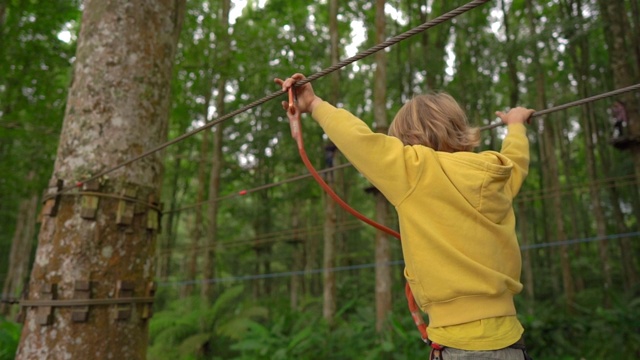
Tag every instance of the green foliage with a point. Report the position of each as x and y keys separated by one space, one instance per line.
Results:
x=35 y=70
x=474 y=57
x=586 y=333
x=189 y=329
x=9 y=338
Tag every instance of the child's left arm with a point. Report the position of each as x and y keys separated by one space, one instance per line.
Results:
x=516 y=144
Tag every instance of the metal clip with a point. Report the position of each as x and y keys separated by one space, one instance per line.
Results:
x=124 y=215
x=45 y=313
x=81 y=290
x=52 y=194
x=124 y=289
x=147 y=309
x=153 y=215
x=89 y=206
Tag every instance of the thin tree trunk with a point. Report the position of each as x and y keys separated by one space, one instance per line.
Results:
x=167 y=240
x=581 y=46
x=297 y=243
x=527 y=266
x=616 y=26
x=330 y=213
x=198 y=226
x=383 y=271
x=21 y=245
x=552 y=169
x=118 y=107
x=512 y=70
x=207 y=291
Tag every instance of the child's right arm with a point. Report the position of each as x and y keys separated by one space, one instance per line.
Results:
x=306 y=99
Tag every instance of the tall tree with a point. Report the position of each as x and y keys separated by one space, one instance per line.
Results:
x=21 y=245
x=551 y=162
x=580 y=51
x=100 y=243
x=223 y=51
x=383 y=253
x=616 y=25
x=330 y=216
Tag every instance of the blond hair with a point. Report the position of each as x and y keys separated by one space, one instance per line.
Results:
x=434 y=120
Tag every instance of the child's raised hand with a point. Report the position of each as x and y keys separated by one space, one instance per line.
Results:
x=306 y=99
x=518 y=115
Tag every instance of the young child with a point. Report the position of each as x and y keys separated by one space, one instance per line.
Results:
x=462 y=258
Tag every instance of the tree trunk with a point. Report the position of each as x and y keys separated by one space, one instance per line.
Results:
x=118 y=107
x=297 y=244
x=551 y=169
x=330 y=214
x=198 y=227
x=512 y=70
x=168 y=238
x=616 y=26
x=527 y=265
x=582 y=63
x=21 y=245
x=383 y=271
x=217 y=157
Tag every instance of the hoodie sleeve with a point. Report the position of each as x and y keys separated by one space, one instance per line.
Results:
x=382 y=159
x=516 y=147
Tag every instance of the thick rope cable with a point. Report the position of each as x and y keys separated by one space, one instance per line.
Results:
x=440 y=19
x=573 y=103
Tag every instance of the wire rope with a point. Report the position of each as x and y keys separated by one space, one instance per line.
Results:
x=12 y=300
x=396 y=262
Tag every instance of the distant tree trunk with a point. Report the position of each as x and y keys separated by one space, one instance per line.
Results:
x=198 y=227
x=383 y=256
x=551 y=168
x=21 y=245
x=512 y=70
x=118 y=106
x=297 y=243
x=635 y=26
x=217 y=157
x=579 y=51
x=312 y=256
x=616 y=26
x=527 y=266
x=167 y=239
x=330 y=214
x=434 y=51
x=262 y=227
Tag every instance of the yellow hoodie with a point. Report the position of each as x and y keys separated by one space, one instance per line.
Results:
x=462 y=258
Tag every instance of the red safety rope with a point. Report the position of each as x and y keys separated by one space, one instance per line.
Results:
x=296 y=133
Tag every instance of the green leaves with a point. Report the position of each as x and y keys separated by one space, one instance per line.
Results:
x=9 y=338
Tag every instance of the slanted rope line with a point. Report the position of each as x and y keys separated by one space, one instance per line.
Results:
x=573 y=103
x=392 y=41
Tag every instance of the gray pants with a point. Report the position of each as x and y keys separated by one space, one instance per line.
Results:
x=457 y=354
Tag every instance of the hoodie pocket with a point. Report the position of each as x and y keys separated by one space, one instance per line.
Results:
x=495 y=202
x=416 y=289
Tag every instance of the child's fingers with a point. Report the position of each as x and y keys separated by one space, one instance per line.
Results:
x=285 y=105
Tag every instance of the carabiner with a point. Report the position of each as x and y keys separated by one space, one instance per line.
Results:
x=294 y=121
